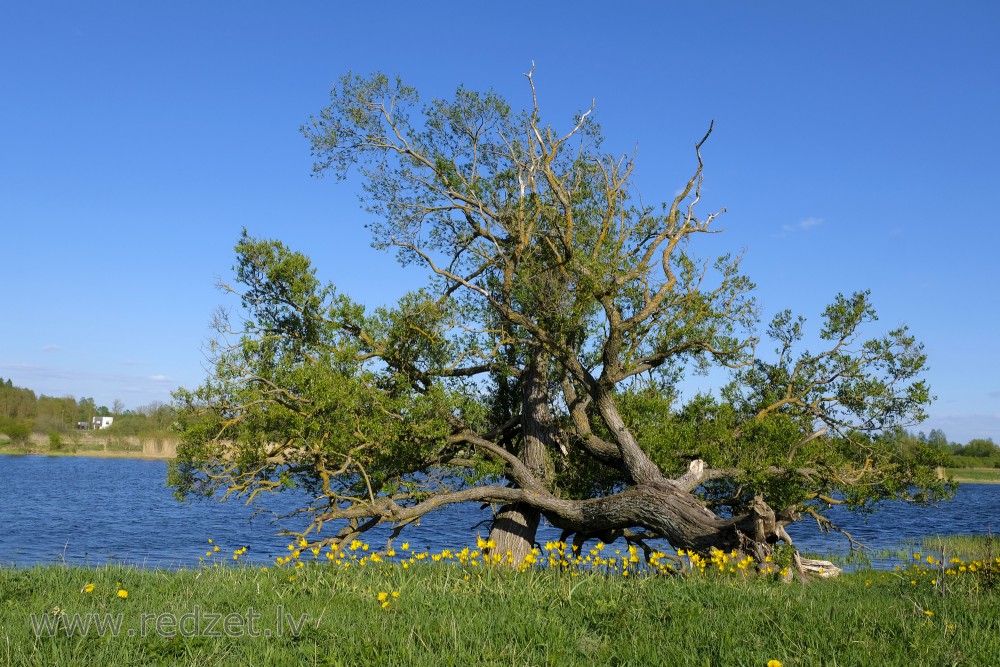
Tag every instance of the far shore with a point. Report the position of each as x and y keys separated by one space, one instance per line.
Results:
x=97 y=445
x=92 y=453
x=975 y=475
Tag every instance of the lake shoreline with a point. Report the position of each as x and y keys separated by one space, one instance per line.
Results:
x=975 y=475
x=88 y=453
x=960 y=475
x=97 y=444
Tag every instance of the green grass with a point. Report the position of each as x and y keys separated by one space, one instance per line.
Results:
x=454 y=615
x=975 y=475
x=965 y=547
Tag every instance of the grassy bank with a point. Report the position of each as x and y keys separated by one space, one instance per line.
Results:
x=975 y=475
x=94 y=443
x=437 y=614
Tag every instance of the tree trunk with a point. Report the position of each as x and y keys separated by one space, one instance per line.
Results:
x=514 y=527
x=513 y=532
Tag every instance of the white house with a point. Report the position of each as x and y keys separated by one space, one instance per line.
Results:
x=101 y=422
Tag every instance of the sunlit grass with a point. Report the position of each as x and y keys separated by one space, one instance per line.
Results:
x=409 y=607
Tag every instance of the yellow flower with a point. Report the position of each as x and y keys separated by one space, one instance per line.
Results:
x=215 y=548
x=122 y=593
x=773 y=663
x=88 y=588
x=210 y=540
x=928 y=613
x=382 y=596
x=406 y=546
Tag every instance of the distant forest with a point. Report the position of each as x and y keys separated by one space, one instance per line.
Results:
x=22 y=412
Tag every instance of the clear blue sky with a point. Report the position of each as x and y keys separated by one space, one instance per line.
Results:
x=856 y=146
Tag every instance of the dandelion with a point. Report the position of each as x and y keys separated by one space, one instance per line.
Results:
x=122 y=593
x=385 y=598
x=87 y=588
x=928 y=613
x=773 y=663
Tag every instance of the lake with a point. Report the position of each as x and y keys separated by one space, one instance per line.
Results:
x=91 y=511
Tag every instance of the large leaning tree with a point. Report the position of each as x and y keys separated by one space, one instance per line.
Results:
x=536 y=369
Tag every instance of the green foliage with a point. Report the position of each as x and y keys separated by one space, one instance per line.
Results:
x=55 y=441
x=17 y=430
x=979 y=448
x=50 y=415
x=544 y=351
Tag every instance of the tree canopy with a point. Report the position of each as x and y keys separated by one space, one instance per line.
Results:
x=537 y=368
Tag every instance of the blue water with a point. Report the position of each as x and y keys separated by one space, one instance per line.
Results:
x=91 y=511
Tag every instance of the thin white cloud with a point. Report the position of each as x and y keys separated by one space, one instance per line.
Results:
x=51 y=348
x=802 y=226
x=159 y=378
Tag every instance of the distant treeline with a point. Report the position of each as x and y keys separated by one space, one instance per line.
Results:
x=22 y=413
x=977 y=453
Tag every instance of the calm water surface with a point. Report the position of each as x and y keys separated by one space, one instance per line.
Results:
x=93 y=511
